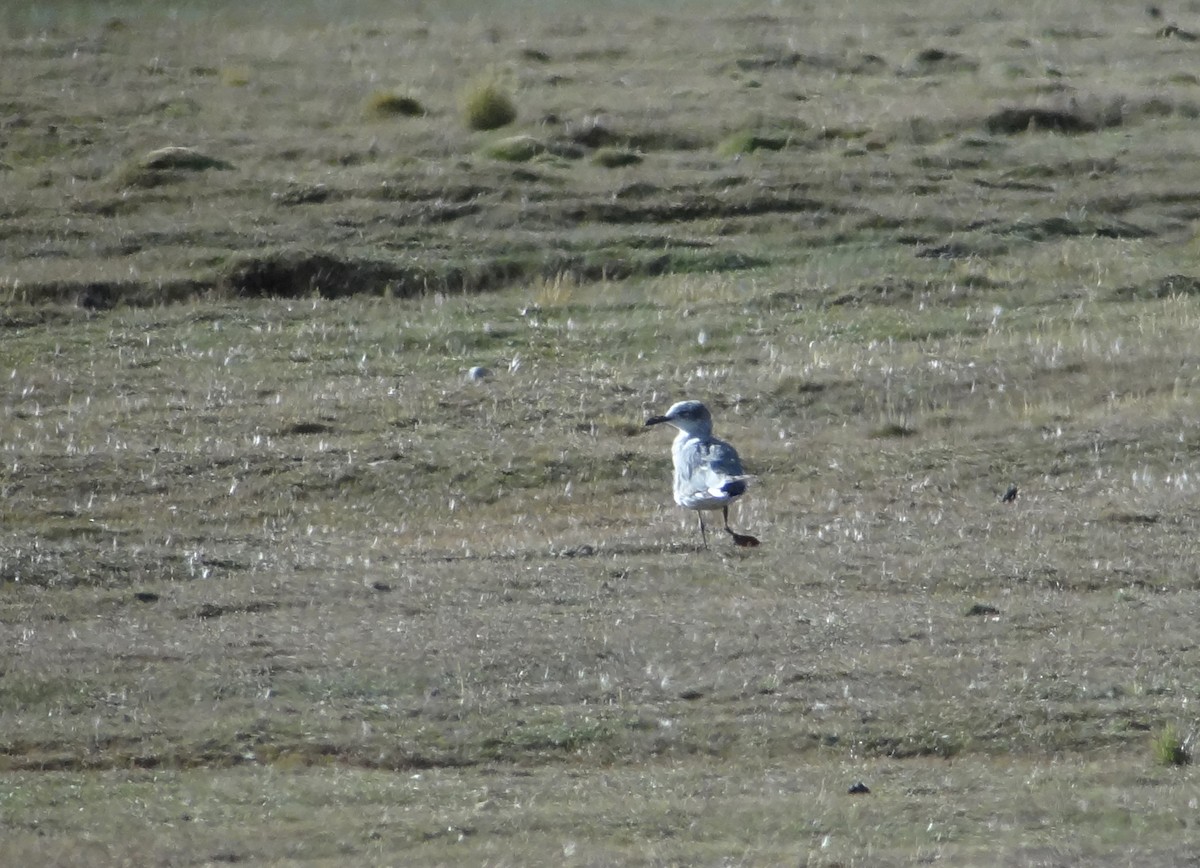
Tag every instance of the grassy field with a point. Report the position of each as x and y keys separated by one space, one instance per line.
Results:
x=280 y=584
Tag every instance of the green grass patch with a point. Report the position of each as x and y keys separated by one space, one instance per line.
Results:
x=1168 y=747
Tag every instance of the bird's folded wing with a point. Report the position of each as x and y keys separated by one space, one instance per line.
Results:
x=711 y=469
x=722 y=459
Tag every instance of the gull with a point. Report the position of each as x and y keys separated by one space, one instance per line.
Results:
x=708 y=472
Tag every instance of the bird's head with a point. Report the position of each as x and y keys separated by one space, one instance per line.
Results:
x=690 y=416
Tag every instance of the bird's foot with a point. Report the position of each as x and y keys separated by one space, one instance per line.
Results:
x=743 y=539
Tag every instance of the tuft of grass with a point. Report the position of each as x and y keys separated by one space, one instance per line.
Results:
x=1168 y=747
x=386 y=104
x=616 y=158
x=554 y=291
x=487 y=105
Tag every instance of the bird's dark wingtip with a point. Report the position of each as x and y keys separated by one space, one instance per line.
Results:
x=735 y=488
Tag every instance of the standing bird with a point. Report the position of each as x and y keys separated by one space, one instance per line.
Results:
x=708 y=472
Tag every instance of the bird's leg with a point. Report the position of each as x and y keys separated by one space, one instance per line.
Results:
x=703 y=535
x=739 y=539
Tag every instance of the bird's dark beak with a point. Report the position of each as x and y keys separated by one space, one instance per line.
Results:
x=655 y=420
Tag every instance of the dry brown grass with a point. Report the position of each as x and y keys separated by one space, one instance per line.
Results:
x=280 y=585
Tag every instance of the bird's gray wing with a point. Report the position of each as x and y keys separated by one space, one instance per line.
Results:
x=722 y=459
x=712 y=470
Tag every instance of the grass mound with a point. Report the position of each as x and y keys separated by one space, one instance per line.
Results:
x=515 y=149
x=165 y=165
